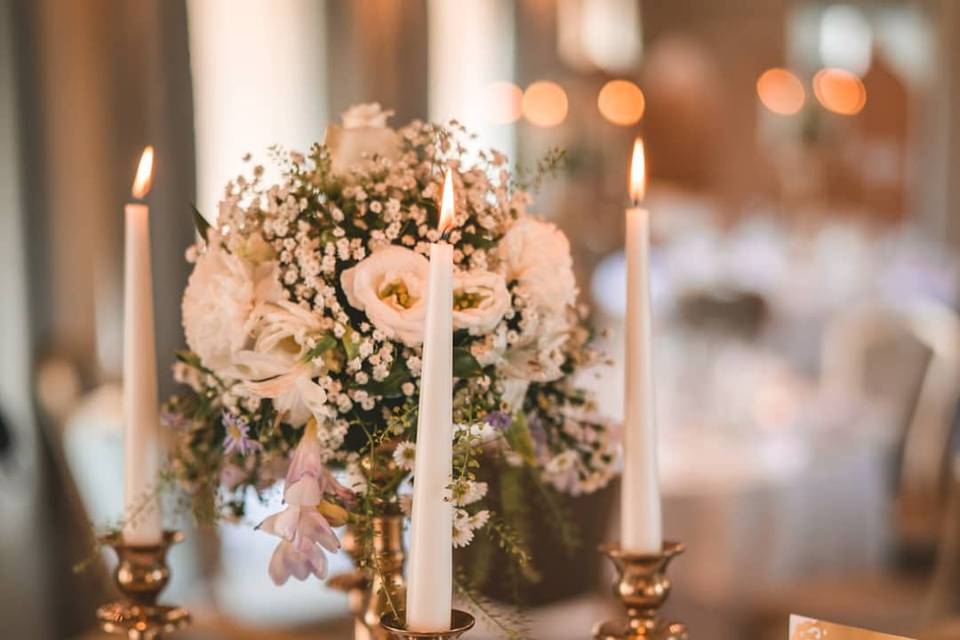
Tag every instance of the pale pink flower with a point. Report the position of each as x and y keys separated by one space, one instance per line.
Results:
x=304 y=532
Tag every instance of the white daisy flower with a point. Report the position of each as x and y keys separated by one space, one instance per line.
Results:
x=467 y=492
x=479 y=519
x=405 y=454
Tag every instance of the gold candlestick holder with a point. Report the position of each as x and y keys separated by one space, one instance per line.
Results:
x=460 y=623
x=380 y=588
x=642 y=586
x=141 y=575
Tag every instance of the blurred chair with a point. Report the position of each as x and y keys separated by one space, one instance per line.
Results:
x=925 y=396
x=898 y=599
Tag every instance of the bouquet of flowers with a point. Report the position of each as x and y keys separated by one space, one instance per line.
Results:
x=304 y=317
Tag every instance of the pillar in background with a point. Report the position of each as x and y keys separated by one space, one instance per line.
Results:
x=465 y=61
x=259 y=79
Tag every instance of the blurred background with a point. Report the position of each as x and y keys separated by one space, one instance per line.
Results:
x=805 y=196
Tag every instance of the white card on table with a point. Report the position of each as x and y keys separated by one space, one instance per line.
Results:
x=809 y=629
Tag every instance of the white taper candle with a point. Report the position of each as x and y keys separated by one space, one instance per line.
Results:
x=641 y=522
x=430 y=565
x=142 y=517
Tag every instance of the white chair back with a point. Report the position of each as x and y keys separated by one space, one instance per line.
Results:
x=926 y=443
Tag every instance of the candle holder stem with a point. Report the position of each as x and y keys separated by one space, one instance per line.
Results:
x=141 y=574
x=460 y=623
x=642 y=586
x=379 y=588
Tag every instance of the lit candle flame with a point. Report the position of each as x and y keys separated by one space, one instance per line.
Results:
x=141 y=184
x=446 y=204
x=638 y=172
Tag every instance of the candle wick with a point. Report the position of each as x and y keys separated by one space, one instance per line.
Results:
x=635 y=203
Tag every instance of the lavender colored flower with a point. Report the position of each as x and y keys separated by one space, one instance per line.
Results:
x=539 y=435
x=499 y=419
x=173 y=419
x=238 y=439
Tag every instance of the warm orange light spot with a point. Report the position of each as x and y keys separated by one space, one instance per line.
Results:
x=781 y=92
x=141 y=183
x=621 y=102
x=638 y=172
x=840 y=91
x=504 y=102
x=446 y=204
x=545 y=104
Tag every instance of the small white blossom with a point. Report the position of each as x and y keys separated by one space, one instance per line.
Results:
x=404 y=455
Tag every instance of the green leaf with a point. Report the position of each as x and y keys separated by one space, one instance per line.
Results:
x=203 y=227
x=464 y=364
x=391 y=386
x=520 y=440
x=477 y=240
x=323 y=345
x=190 y=359
x=351 y=348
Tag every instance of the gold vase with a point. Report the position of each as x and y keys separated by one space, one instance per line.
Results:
x=376 y=587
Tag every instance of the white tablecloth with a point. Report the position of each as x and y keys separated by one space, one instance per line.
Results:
x=756 y=514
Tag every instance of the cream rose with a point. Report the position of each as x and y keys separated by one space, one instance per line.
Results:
x=364 y=134
x=277 y=367
x=219 y=301
x=390 y=286
x=537 y=255
x=480 y=298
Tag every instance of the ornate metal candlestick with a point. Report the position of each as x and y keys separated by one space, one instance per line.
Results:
x=460 y=623
x=642 y=587
x=371 y=592
x=355 y=584
x=141 y=575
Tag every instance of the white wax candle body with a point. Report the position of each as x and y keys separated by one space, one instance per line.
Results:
x=430 y=565
x=640 y=494
x=142 y=517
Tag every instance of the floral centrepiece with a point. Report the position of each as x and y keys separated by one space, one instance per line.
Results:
x=304 y=317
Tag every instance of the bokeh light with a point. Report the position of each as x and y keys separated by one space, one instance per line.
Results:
x=840 y=91
x=503 y=102
x=545 y=104
x=781 y=92
x=621 y=102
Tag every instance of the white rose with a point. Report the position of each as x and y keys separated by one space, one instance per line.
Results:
x=391 y=287
x=537 y=255
x=364 y=134
x=218 y=303
x=480 y=298
x=277 y=368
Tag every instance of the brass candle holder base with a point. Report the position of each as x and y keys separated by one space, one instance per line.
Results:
x=642 y=587
x=141 y=575
x=460 y=623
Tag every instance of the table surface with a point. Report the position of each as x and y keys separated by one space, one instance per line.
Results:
x=568 y=620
